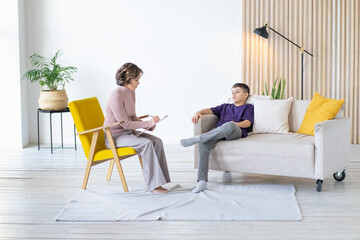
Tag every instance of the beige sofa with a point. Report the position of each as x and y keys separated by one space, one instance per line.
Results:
x=293 y=154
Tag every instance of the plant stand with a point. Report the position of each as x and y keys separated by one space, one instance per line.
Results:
x=51 y=142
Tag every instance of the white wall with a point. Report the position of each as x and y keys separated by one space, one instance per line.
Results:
x=189 y=50
x=10 y=98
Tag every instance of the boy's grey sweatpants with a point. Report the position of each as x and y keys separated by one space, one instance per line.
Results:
x=151 y=150
x=208 y=140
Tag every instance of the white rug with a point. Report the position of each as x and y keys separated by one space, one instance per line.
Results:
x=220 y=203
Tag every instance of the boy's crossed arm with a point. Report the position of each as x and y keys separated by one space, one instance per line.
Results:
x=243 y=124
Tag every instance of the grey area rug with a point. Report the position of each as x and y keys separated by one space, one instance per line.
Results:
x=219 y=203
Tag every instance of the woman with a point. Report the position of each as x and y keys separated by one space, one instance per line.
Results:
x=120 y=106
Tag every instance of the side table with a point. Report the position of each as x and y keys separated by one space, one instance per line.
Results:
x=51 y=142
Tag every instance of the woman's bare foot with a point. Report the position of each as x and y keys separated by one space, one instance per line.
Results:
x=160 y=190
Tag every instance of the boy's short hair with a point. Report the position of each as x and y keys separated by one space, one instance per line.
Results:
x=243 y=86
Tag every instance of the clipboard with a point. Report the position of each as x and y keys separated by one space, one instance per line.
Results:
x=138 y=134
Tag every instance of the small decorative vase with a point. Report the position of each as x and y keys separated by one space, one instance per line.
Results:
x=53 y=100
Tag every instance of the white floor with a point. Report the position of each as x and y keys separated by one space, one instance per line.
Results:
x=35 y=186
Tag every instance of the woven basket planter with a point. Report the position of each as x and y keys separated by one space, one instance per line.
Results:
x=53 y=100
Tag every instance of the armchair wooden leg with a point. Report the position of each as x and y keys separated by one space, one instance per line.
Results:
x=90 y=158
x=111 y=167
x=116 y=159
x=141 y=164
x=122 y=176
x=87 y=173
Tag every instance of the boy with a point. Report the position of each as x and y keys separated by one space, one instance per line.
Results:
x=235 y=121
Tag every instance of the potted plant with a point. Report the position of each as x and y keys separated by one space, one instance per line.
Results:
x=50 y=76
x=277 y=92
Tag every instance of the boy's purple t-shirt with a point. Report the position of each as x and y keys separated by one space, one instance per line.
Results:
x=230 y=112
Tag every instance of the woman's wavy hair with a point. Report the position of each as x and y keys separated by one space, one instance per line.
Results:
x=127 y=72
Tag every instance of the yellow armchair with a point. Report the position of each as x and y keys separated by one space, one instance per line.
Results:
x=89 y=119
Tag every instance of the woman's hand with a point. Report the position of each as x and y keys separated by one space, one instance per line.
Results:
x=155 y=119
x=196 y=117
x=152 y=128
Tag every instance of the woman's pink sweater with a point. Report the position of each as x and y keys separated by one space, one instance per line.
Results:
x=120 y=106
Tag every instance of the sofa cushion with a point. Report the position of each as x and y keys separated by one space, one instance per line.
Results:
x=297 y=113
x=320 y=109
x=276 y=154
x=271 y=116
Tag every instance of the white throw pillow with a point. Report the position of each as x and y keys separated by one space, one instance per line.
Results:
x=272 y=116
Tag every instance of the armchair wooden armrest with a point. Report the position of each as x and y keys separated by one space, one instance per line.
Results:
x=107 y=126
x=100 y=128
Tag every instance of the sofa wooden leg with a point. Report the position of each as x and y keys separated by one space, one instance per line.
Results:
x=319 y=185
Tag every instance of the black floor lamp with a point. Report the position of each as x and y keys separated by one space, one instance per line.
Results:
x=261 y=31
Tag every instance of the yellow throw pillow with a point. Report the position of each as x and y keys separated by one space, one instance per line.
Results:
x=320 y=109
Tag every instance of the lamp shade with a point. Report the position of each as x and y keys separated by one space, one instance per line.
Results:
x=261 y=31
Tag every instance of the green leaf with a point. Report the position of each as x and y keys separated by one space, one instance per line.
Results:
x=272 y=93
x=266 y=89
x=274 y=84
x=38 y=61
x=277 y=95
x=273 y=90
x=48 y=72
x=283 y=88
